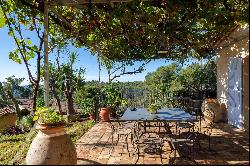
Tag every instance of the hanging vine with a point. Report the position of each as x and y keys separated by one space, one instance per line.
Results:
x=137 y=30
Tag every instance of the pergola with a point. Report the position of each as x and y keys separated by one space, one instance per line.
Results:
x=131 y=50
x=47 y=3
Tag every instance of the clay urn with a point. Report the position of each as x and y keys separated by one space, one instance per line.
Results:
x=51 y=146
x=212 y=111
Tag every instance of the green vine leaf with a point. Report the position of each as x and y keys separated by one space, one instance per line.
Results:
x=2 y=19
x=15 y=57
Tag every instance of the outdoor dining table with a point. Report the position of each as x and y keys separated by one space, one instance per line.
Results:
x=163 y=115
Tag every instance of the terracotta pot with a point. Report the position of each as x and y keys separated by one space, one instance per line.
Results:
x=51 y=146
x=43 y=126
x=104 y=114
x=91 y=116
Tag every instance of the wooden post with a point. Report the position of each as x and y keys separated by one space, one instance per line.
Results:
x=46 y=52
x=99 y=69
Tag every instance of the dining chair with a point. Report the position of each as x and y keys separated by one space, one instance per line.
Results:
x=203 y=129
x=197 y=134
x=182 y=143
x=203 y=133
x=145 y=141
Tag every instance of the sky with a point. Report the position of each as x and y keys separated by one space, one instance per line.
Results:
x=85 y=60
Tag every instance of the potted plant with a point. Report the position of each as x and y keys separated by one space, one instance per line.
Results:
x=105 y=103
x=52 y=145
x=48 y=118
x=86 y=106
x=116 y=106
x=111 y=100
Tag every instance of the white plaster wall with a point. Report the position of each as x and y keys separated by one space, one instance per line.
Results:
x=236 y=45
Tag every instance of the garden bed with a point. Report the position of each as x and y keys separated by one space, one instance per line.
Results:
x=13 y=148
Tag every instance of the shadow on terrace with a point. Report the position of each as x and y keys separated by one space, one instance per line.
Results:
x=228 y=146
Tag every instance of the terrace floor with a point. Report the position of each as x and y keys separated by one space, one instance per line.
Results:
x=228 y=146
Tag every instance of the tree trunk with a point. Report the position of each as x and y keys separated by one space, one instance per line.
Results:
x=53 y=90
x=58 y=103
x=34 y=96
x=70 y=101
x=96 y=107
x=69 y=96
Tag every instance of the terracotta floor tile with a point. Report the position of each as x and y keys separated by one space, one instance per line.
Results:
x=228 y=146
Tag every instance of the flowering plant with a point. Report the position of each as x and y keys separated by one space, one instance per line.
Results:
x=46 y=115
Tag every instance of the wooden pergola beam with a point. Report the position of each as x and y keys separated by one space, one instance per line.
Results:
x=83 y=2
x=46 y=53
x=163 y=52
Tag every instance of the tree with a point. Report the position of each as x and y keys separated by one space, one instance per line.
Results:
x=17 y=19
x=158 y=83
x=8 y=90
x=194 y=80
x=117 y=69
x=20 y=18
x=87 y=97
x=65 y=79
x=55 y=81
x=197 y=78
x=210 y=78
x=25 y=91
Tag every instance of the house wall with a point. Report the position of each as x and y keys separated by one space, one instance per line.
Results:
x=236 y=45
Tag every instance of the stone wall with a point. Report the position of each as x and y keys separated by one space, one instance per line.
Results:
x=7 y=121
x=236 y=45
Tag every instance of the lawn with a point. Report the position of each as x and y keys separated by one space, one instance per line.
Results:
x=13 y=148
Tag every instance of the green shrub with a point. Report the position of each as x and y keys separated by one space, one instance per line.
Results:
x=14 y=148
x=25 y=123
x=40 y=102
x=86 y=105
